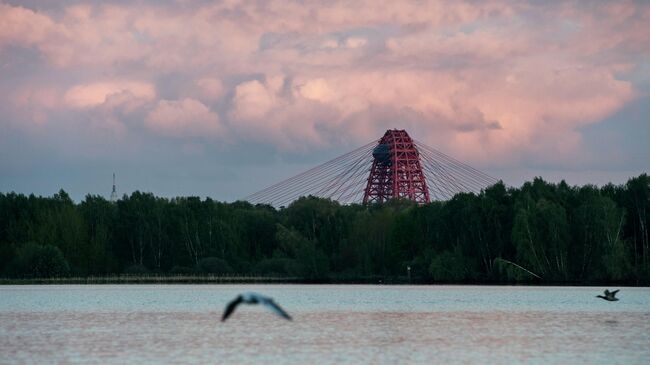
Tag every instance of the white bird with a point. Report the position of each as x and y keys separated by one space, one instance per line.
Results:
x=609 y=295
x=254 y=298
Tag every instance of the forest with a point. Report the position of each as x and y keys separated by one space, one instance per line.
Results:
x=540 y=232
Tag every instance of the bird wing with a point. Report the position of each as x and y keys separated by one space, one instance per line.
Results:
x=613 y=292
x=231 y=308
x=606 y=292
x=276 y=308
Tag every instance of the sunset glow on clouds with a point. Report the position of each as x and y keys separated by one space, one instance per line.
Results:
x=508 y=85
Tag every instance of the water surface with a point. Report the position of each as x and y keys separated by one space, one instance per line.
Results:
x=333 y=324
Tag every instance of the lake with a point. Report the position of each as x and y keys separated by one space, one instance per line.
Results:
x=333 y=324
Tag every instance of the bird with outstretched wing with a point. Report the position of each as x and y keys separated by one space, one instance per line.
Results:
x=609 y=295
x=254 y=298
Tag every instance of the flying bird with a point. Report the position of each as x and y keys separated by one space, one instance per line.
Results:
x=609 y=295
x=254 y=298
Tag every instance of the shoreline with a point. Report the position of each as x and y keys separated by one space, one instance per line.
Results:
x=209 y=279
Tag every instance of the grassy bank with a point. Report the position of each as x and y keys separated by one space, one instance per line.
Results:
x=244 y=279
x=204 y=279
x=150 y=279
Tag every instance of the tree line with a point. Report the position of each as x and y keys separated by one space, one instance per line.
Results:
x=540 y=232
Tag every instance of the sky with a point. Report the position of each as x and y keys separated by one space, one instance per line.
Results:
x=221 y=99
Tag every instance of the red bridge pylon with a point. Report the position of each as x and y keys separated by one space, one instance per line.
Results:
x=396 y=170
x=393 y=167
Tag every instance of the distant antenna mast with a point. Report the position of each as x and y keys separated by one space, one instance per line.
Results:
x=114 y=192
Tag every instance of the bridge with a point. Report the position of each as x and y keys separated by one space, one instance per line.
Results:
x=392 y=167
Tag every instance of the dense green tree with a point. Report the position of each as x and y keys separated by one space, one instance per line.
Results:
x=213 y=265
x=98 y=216
x=307 y=260
x=538 y=232
x=541 y=236
x=449 y=265
x=38 y=261
x=636 y=202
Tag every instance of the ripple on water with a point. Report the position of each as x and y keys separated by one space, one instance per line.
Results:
x=373 y=333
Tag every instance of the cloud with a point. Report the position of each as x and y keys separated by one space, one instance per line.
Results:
x=355 y=42
x=254 y=99
x=90 y=95
x=183 y=118
x=22 y=26
x=209 y=88
x=317 y=89
x=497 y=80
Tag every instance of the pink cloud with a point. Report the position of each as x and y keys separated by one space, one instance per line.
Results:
x=484 y=81
x=209 y=88
x=254 y=99
x=93 y=94
x=33 y=104
x=183 y=118
x=22 y=26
